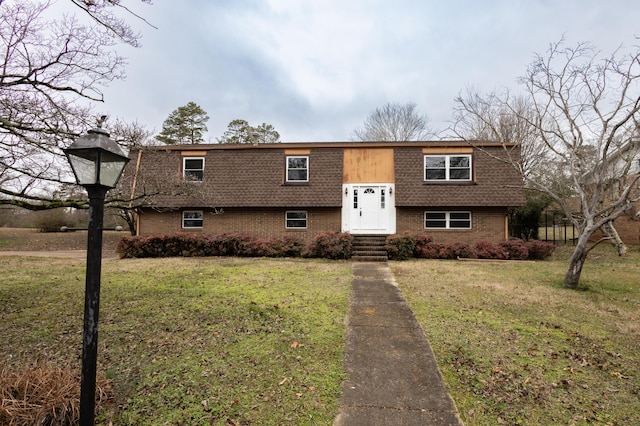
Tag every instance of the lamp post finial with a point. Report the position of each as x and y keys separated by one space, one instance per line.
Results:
x=101 y=121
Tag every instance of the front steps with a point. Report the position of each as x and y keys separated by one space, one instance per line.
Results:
x=369 y=248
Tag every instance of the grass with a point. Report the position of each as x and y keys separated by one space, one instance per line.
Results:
x=560 y=233
x=189 y=341
x=255 y=341
x=515 y=347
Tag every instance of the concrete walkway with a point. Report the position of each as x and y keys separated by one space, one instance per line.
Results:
x=393 y=375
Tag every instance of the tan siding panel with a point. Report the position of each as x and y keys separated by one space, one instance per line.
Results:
x=297 y=151
x=448 y=150
x=193 y=153
x=368 y=165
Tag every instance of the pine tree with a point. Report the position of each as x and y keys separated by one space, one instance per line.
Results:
x=185 y=125
x=239 y=131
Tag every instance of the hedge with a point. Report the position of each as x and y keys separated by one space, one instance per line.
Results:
x=329 y=245
x=401 y=247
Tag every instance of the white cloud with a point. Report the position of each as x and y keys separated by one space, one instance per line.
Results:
x=315 y=68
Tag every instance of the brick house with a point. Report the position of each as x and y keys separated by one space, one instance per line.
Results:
x=452 y=190
x=625 y=169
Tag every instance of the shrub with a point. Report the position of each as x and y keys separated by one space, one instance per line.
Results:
x=430 y=250
x=421 y=241
x=515 y=249
x=229 y=244
x=261 y=247
x=291 y=246
x=190 y=245
x=330 y=245
x=287 y=246
x=400 y=247
x=486 y=250
x=53 y=220
x=462 y=250
x=433 y=250
x=539 y=250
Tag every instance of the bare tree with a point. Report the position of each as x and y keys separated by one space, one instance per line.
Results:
x=52 y=72
x=581 y=118
x=394 y=122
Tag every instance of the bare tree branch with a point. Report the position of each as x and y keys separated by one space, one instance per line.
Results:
x=53 y=70
x=577 y=124
x=394 y=122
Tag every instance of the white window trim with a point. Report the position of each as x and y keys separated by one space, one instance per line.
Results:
x=307 y=169
x=184 y=169
x=447 y=167
x=286 y=219
x=447 y=219
x=192 y=211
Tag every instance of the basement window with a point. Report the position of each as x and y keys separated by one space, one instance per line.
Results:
x=296 y=220
x=447 y=220
x=192 y=219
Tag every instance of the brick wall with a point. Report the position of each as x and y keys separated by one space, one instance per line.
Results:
x=628 y=227
x=256 y=222
x=487 y=225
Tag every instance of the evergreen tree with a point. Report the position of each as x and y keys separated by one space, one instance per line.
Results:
x=239 y=131
x=185 y=125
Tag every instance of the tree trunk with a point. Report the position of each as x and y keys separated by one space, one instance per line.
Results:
x=579 y=256
x=130 y=217
x=614 y=238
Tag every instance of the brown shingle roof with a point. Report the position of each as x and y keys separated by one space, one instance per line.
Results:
x=239 y=178
x=254 y=176
x=497 y=183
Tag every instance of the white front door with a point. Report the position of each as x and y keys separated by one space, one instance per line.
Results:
x=369 y=209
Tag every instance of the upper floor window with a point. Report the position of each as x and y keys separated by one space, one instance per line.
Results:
x=447 y=167
x=193 y=168
x=297 y=169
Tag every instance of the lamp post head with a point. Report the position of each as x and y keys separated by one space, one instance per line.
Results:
x=96 y=160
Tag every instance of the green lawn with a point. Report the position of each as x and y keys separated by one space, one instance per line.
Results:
x=260 y=341
x=515 y=347
x=190 y=341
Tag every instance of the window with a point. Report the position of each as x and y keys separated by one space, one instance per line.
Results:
x=297 y=169
x=447 y=220
x=193 y=168
x=447 y=167
x=296 y=219
x=192 y=219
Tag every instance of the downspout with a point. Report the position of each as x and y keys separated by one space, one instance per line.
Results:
x=133 y=189
x=506 y=227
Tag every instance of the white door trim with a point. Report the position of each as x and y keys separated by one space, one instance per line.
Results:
x=372 y=212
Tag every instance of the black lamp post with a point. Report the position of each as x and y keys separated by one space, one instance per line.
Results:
x=97 y=163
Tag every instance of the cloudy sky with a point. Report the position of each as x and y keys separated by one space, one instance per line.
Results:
x=315 y=69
